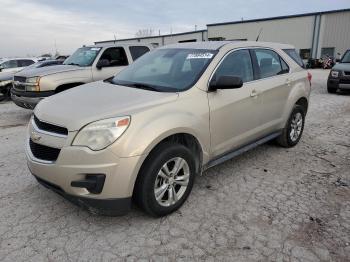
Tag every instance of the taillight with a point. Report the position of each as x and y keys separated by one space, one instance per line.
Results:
x=309 y=77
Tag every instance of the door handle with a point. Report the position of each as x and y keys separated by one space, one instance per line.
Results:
x=288 y=82
x=254 y=93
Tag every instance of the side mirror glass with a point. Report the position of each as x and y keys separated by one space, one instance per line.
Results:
x=225 y=82
x=102 y=63
x=1 y=68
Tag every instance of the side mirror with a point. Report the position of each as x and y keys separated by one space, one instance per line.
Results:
x=1 y=68
x=102 y=63
x=225 y=82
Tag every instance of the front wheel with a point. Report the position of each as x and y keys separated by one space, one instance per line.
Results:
x=165 y=180
x=331 y=90
x=294 y=128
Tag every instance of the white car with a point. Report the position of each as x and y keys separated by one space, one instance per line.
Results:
x=15 y=64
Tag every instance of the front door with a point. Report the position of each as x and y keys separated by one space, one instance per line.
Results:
x=234 y=113
x=116 y=61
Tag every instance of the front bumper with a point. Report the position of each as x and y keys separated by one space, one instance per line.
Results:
x=342 y=83
x=108 y=207
x=28 y=100
x=75 y=164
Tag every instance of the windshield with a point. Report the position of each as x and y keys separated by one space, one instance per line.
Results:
x=166 y=70
x=346 y=57
x=84 y=56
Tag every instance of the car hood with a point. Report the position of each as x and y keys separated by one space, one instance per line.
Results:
x=4 y=76
x=48 y=70
x=81 y=105
x=342 y=67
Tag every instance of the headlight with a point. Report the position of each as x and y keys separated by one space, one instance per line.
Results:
x=5 y=83
x=100 y=134
x=335 y=74
x=32 y=84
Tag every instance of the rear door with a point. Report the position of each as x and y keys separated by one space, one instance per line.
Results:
x=274 y=86
x=117 y=61
x=22 y=63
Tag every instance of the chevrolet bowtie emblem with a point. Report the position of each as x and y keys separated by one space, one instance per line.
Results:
x=35 y=136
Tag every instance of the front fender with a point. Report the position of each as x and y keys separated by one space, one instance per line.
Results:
x=141 y=138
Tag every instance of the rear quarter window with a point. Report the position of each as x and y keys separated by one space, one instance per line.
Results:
x=292 y=53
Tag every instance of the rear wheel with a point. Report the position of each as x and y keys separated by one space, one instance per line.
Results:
x=294 y=128
x=165 y=180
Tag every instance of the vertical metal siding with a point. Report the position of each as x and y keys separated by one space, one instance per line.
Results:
x=336 y=31
x=297 y=31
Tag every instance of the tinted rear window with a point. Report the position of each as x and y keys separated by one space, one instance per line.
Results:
x=295 y=56
x=137 y=51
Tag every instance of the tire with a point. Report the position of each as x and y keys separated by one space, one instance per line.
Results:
x=5 y=93
x=287 y=138
x=331 y=90
x=149 y=180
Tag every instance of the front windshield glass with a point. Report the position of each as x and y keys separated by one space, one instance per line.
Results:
x=166 y=70
x=84 y=56
x=346 y=57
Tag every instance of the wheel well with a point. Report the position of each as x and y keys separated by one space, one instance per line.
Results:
x=188 y=141
x=303 y=102
x=66 y=86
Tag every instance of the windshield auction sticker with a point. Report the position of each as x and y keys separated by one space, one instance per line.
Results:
x=199 y=56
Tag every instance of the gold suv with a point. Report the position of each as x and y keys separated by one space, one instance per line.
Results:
x=145 y=134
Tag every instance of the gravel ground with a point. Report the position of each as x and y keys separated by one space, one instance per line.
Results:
x=269 y=204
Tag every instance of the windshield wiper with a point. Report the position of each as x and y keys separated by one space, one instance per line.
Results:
x=137 y=85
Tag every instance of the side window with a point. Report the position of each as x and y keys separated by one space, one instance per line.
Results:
x=269 y=63
x=237 y=63
x=10 y=64
x=137 y=51
x=25 y=62
x=285 y=67
x=116 y=56
x=294 y=55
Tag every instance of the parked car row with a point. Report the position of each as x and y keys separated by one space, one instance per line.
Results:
x=147 y=132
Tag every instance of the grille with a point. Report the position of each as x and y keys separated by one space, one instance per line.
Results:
x=347 y=73
x=44 y=152
x=21 y=79
x=344 y=81
x=19 y=83
x=50 y=128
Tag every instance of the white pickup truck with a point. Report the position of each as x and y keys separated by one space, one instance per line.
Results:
x=87 y=64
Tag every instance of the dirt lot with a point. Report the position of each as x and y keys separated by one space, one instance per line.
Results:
x=269 y=204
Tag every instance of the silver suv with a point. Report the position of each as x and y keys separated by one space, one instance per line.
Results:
x=149 y=131
x=87 y=64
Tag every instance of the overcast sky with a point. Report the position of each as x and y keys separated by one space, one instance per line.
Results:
x=32 y=27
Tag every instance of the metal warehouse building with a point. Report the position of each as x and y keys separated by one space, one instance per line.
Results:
x=313 y=34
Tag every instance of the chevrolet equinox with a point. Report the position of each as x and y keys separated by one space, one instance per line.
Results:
x=146 y=133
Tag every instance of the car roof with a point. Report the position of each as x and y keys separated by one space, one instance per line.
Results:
x=119 y=44
x=216 y=45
